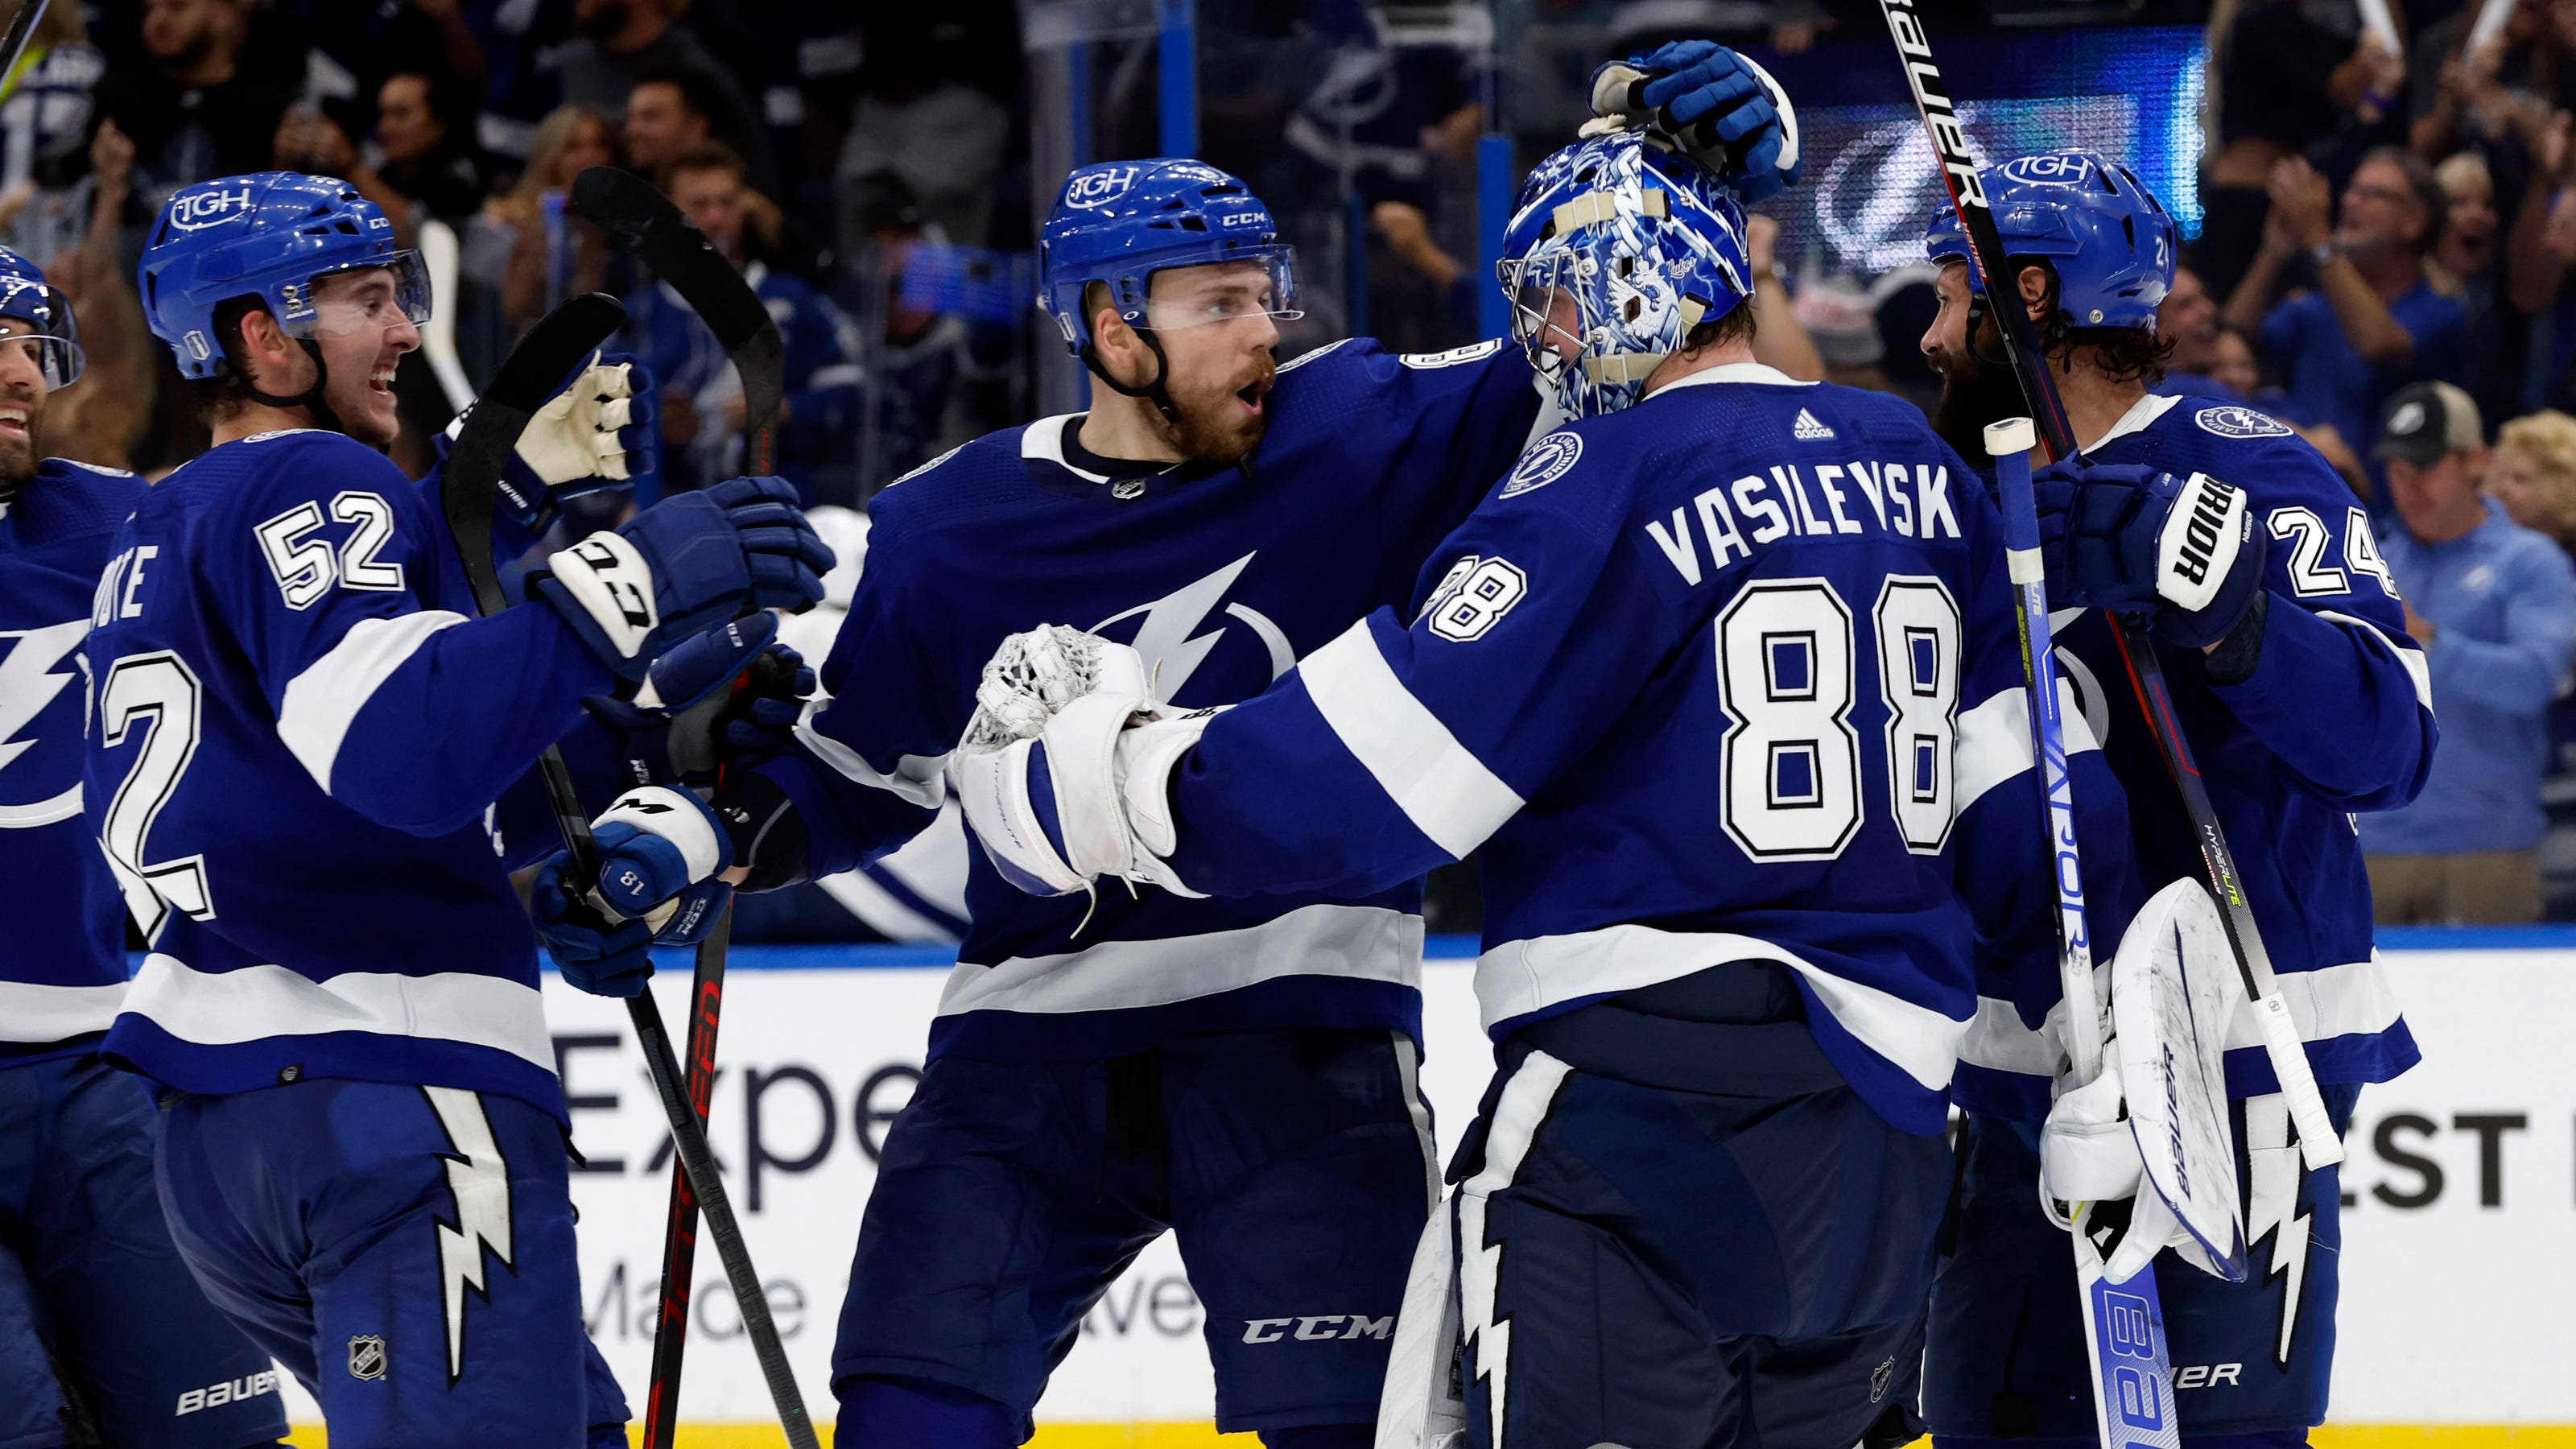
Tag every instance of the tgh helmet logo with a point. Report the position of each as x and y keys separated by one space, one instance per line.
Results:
x=196 y=210
x=1101 y=187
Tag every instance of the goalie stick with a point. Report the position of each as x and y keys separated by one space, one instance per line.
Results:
x=636 y=216
x=527 y=378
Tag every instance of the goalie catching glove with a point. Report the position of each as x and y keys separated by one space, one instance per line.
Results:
x=2154 y=1124
x=1064 y=769
x=1718 y=108
x=659 y=852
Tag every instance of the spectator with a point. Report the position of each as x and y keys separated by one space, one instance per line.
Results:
x=191 y=112
x=551 y=256
x=920 y=352
x=429 y=156
x=666 y=118
x=2231 y=368
x=2532 y=473
x=933 y=111
x=1841 y=318
x=309 y=139
x=702 y=404
x=2374 y=320
x=2494 y=605
x=1780 y=337
x=623 y=41
x=2288 y=76
x=46 y=120
x=2457 y=97
x=102 y=422
x=2189 y=317
x=2466 y=264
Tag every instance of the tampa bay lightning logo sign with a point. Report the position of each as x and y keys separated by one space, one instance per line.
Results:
x=1544 y=463
x=2235 y=422
x=1100 y=186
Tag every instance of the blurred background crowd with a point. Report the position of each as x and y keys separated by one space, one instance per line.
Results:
x=2383 y=230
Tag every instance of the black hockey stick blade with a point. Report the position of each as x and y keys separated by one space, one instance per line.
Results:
x=641 y=219
x=527 y=377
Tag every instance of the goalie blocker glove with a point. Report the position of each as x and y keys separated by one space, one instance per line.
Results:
x=2131 y=538
x=1722 y=110
x=684 y=566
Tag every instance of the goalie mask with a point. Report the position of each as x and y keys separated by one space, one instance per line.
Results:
x=1616 y=250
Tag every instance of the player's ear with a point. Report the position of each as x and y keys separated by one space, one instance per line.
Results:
x=264 y=344
x=2034 y=292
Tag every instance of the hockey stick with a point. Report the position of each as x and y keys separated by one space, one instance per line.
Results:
x=527 y=378
x=13 y=44
x=636 y=216
x=2319 y=1143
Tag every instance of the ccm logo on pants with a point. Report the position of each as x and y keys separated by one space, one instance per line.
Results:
x=1319 y=1326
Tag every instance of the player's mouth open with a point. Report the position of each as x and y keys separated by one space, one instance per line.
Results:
x=382 y=379
x=1254 y=395
x=13 y=421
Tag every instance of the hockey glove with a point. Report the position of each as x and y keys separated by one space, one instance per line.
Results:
x=730 y=694
x=1722 y=110
x=684 y=566
x=659 y=852
x=2127 y=537
x=598 y=432
x=597 y=954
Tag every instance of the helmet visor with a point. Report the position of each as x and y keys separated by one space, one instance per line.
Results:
x=372 y=294
x=1261 y=282
x=54 y=349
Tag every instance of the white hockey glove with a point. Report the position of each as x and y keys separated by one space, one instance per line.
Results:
x=1064 y=769
x=598 y=431
x=2154 y=1124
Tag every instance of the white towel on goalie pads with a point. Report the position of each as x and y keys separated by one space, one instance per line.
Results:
x=2173 y=986
x=1420 y=1407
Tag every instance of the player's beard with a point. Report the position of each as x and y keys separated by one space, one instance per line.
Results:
x=1974 y=393
x=1213 y=426
x=18 y=456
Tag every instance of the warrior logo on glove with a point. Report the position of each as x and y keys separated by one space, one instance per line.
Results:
x=2200 y=553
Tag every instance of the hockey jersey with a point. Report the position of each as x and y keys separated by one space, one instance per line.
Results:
x=300 y=739
x=1730 y=676
x=2337 y=719
x=1222 y=579
x=62 y=959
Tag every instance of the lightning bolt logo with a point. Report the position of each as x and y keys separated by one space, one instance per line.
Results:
x=29 y=681
x=1517 y=1115
x=2272 y=1200
x=479 y=1180
x=1172 y=653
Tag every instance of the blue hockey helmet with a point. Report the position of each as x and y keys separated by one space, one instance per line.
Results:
x=2111 y=243
x=1642 y=245
x=268 y=234
x=1120 y=222
x=44 y=318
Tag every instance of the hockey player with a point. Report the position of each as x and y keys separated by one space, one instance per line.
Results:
x=2303 y=700
x=1240 y=1072
x=88 y=1275
x=1722 y=684
x=301 y=742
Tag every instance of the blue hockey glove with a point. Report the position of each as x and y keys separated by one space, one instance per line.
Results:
x=684 y=566
x=659 y=852
x=2127 y=537
x=730 y=692
x=598 y=432
x=597 y=955
x=1724 y=111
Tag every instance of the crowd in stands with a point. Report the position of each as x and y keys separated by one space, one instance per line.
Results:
x=2384 y=263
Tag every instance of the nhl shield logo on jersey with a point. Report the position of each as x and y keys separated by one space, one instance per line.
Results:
x=1546 y=461
x=2236 y=422
x=367 y=1356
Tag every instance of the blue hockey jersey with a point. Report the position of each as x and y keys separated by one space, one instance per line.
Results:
x=62 y=959
x=1733 y=675
x=2336 y=719
x=300 y=738
x=1221 y=579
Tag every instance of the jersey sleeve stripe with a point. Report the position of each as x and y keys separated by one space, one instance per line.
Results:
x=322 y=701
x=36 y=1013
x=248 y=1003
x=2353 y=999
x=921 y=779
x=1437 y=782
x=2408 y=654
x=1994 y=740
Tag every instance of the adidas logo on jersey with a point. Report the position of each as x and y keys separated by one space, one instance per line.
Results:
x=1808 y=430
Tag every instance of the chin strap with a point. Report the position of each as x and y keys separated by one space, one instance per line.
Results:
x=310 y=398
x=1154 y=392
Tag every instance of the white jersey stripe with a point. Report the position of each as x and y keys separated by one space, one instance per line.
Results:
x=33 y=1013
x=1440 y=785
x=1994 y=740
x=322 y=701
x=249 y=1003
x=2353 y=999
x=1369 y=943
x=1519 y=977
x=2408 y=654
